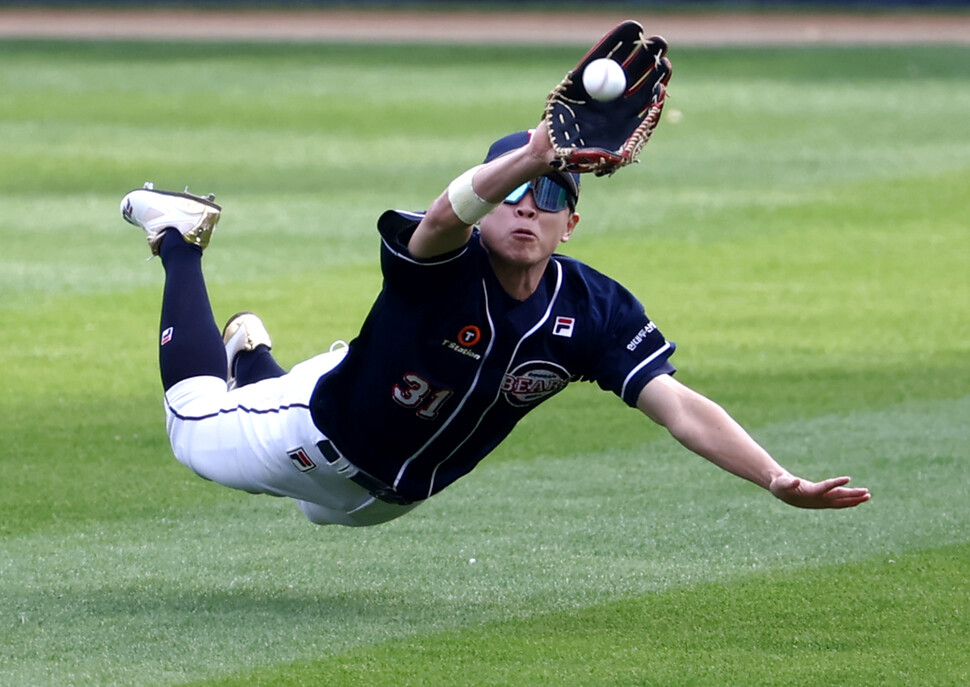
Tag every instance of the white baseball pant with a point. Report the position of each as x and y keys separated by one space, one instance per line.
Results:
x=260 y=438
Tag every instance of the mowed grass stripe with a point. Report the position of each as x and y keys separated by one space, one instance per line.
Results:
x=866 y=623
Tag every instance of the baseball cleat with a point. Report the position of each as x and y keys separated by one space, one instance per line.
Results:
x=243 y=332
x=194 y=217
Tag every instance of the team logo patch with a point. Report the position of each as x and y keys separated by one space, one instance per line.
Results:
x=167 y=335
x=301 y=459
x=564 y=326
x=533 y=382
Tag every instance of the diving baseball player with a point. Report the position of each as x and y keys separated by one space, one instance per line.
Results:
x=479 y=320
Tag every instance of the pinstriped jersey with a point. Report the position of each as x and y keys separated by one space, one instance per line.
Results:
x=446 y=362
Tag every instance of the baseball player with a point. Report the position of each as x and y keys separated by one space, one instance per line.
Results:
x=479 y=320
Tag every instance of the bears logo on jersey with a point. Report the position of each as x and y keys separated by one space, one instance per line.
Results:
x=533 y=382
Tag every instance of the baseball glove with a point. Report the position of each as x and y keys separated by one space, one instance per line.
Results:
x=601 y=137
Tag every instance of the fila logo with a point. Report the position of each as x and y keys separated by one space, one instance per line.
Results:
x=167 y=335
x=564 y=326
x=301 y=459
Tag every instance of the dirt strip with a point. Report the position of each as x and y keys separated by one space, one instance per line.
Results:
x=483 y=27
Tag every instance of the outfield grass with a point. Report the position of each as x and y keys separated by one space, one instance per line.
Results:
x=798 y=226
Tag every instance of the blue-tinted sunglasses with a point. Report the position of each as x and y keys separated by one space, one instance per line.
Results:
x=549 y=195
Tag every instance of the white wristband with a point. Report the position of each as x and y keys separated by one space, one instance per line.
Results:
x=468 y=205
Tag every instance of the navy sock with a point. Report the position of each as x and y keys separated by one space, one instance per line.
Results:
x=191 y=341
x=255 y=366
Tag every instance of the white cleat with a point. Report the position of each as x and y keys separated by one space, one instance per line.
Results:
x=194 y=217
x=243 y=332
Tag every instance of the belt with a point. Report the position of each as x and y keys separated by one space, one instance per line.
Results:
x=374 y=486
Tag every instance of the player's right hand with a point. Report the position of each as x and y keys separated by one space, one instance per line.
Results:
x=830 y=493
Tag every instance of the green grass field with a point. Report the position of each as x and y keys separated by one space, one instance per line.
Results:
x=798 y=226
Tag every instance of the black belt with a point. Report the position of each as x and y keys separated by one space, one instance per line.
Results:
x=374 y=486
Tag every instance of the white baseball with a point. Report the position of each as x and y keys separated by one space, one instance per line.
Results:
x=604 y=79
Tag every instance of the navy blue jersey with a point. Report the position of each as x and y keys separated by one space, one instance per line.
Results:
x=447 y=363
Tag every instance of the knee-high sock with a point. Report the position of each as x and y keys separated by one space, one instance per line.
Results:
x=191 y=341
x=255 y=366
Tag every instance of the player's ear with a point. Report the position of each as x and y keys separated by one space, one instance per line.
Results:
x=570 y=225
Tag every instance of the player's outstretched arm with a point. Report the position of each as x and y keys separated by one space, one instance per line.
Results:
x=706 y=429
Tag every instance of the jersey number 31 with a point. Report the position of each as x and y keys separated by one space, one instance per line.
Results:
x=416 y=393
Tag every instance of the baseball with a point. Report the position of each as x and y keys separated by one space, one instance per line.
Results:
x=604 y=79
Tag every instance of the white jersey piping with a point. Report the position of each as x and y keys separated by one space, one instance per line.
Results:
x=542 y=320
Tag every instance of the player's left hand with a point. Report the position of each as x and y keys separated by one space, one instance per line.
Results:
x=830 y=493
x=540 y=144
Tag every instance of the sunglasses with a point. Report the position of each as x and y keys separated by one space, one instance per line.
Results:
x=549 y=195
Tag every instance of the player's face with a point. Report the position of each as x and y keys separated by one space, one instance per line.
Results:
x=523 y=235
